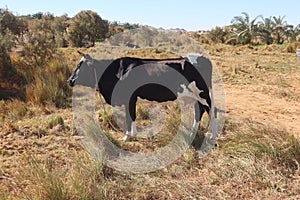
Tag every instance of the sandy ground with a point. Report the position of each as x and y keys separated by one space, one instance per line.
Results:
x=244 y=103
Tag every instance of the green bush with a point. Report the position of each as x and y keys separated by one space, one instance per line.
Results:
x=86 y=28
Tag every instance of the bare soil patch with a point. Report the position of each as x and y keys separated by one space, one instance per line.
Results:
x=244 y=103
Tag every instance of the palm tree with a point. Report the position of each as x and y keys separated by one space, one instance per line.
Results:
x=292 y=33
x=279 y=29
x=265 y=30
x=246 y=30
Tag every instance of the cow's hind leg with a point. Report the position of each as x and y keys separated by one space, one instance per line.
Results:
x=198 y=113
x=130 y=119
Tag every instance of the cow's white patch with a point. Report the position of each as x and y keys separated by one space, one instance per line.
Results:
x=186 y=97
x=191 y=94
x=192 y=86
x=213 y=123
x=193 y=58
x=214 y=127
x=132 y=133
x=125 y=137
x=133 y=129
x=195 y=126
x=82 y=59
x=212 y=133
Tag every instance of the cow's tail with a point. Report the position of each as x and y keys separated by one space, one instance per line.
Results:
x=213 y=124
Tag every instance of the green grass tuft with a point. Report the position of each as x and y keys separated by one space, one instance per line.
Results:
x=55 y=120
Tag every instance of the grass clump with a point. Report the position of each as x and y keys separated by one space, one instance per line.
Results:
x=261 y=140
x=258 y=154
x=49 y=85
x=45 y=179
x=14 y=109
x=142 y=112
x=2 y=196
x=56 y=120
x=42 y=180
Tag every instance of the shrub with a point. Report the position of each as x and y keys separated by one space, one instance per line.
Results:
x=87 y=27
x=51 y=186
x=292 y=47
x=49 y=85
x=14 y=109
x=142 y=112
x=6 y=43
x=217 y=35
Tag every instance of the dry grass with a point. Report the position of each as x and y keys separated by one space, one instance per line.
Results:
x=251 y=161
x=49 y=85
x=151 y=53
x=292 y=47
x=41 y=156
x=267 y=69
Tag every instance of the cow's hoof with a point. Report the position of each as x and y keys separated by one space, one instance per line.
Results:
x=125 y=138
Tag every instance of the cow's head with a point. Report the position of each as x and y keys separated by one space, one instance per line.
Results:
x=84 y=72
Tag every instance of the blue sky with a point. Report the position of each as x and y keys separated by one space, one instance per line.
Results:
x=187 y=14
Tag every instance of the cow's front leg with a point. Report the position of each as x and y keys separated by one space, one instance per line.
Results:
x=130 y=119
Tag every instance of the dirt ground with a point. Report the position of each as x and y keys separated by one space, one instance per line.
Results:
x=244 y=103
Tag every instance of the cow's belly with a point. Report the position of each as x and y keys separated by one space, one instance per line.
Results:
x=155 y=92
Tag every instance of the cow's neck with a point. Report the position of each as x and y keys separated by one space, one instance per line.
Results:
x=105 y=83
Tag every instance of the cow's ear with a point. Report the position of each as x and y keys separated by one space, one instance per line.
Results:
x=81 y=53
x=86 y=56
x=88 y=59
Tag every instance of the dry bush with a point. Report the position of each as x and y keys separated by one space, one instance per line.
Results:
x=46 y=83
x=142 y=112
x=14 y=109
x=292 y=47
x=49 y=85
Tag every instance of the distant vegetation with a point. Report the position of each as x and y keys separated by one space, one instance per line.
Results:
x=259 y=30
x=31 y=59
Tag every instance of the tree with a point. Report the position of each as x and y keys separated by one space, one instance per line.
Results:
x=246 y=30
x=8 y=29
x=38 y=15
x=218 y=34
x=297 y=30
x=39 y=43
x=11 y=28
x=130 y=26
x=6 y=43
x=265 y=30
x=8 y=21
x=87 y=27
x=59 y=25
x=292 y=33
x=279 y=29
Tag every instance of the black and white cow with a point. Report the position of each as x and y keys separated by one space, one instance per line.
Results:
x=123 y=80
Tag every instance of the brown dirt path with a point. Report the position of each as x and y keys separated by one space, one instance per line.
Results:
x=243 y=103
